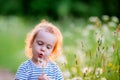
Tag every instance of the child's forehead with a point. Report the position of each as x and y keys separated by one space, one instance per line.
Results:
x=44 y=31
x=45 y=35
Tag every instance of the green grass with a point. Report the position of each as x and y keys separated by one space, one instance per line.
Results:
x=90 y=49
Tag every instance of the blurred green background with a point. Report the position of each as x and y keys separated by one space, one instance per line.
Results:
x=57 y=9
x=87 y=27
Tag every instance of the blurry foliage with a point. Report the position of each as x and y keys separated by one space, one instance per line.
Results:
x=60 y=8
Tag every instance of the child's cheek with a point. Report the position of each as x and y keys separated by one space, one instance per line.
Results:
x=48 y=52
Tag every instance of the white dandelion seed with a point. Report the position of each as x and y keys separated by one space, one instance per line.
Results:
x=66 y=74
x=103 y=78
x=98 y=71
x=105 y=17
x=115 y=19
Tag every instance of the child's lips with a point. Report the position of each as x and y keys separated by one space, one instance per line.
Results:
x=40 y=55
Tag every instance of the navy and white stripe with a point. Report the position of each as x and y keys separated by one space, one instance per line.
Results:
x=28 y=71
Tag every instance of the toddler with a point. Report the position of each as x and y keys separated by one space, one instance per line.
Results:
x=43 y=45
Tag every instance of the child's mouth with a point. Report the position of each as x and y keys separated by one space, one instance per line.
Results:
x=40 y=55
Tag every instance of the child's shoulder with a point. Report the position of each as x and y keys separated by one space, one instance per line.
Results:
x=25 y=64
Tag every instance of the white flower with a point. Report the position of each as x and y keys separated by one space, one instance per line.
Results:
x=85 y=33
x=66 y=74
x=90 y=27
x=62 y=59
x=103 y=78
x=110 y=49
x=81 y=55
x=105 y=17
x=74 y=70
x=112 y=24
x=100 y=37
x=93 y=19
x=105 y=28
x=118 y=38
x=77 y=78
x=98 y=71
x=115 y=19
x=85 y=70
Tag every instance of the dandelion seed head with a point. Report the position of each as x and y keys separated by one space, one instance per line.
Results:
x=77 y=78
x=90 y=27
x=115 y=19
x=105 y=18
x=100 y=37
x=85 y=33
x=112 y=24
x=103 y=78
x=74 y=70
x=66 y=74
x=85 y=70
x=66 y=49
x=93 y=19
x=105 y=28
x=111 y=49
x=98 y=71
x=81 y=55
x=62 y=59
x=118 y=38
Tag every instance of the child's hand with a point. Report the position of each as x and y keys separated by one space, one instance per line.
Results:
x=43 y=77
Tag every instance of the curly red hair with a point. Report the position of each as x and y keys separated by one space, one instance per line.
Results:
x=49 y=27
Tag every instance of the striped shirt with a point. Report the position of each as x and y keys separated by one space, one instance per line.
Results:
x=29 y=71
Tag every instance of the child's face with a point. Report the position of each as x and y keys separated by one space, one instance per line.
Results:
x=43 y=45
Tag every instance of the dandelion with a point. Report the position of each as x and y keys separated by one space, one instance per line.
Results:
x=115 y=19
x=42 y=64
x=66 y=49
x=112 y=24
x=103 y=78
x=81 y=58
x=62 y=59
x=93 y=19
x=90 y=27
x=105 y=18
x=98 y=71
x=105 y=28
x=111 y=49
x=77 y=78
x=100 y=39
x=119 y=39
x=85 y=33
x=74 y=70
x=66 y=74
x=87 y=70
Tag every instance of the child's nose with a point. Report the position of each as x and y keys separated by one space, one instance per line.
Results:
x=43 y=48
